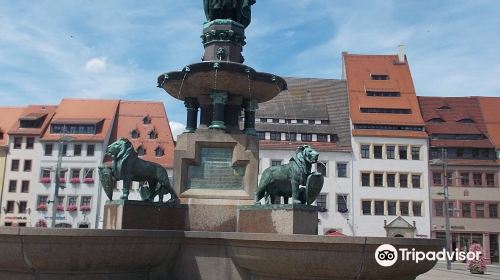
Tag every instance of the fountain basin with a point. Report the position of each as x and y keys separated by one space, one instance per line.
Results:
x=208 y=76
x=37 y=253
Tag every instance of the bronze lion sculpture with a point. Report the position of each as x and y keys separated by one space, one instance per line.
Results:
x=285 y=180
x=127 y=166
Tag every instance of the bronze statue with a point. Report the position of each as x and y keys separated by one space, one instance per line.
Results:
x=285 y=180
x=236 y=10
x=127 y=166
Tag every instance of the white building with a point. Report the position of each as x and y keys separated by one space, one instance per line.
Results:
x=390 y=148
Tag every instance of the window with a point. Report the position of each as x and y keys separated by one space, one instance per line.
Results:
x=135 y=134
x=88 y=173
x=48 y=149
x=14 y=165
x=30 y=142
x=276 y=136
x=460 y=153
x=466 y=212
x=377 y=151
x=141 y=151
x=276 y=120
x=261 y=135
x=341 y=170
x=390 y=151
x=479 y=210
x=12 y=186
x=415 y=181
x=77 y=150
x=342 y=203
x=8 y=224
x=42 y=200
x=90 y=150
x=153 y=134
x=404 y=208
x=75 y=173
x=415 y=153
x=146 y=120
x=379 y=207
x=477 y=179
x=438 y=205
x=385 y=111
x=321 y=203
x=403 y=152
x=366 y=207
x=23 y=205
x=62 y=176
x=383 y=93
x=490 y=180
x=417 y=208
x=27 y=165
x=391 y=208
x=436 y=120
x=449 y=179
x=379 y=179
x=72 y=201
x=263 y=120
x=25 y=186
x=321 y=168
x=291 y=136
x=85 y=201
x=365 y=179
x=391 y=180
x=64 y=149
x=365 y=151
x=475 y=153
x=18 y=142
x=10 y=206
x=275 y=162
x=159 y=152
x=464 y=178
x=436 y=178
x=322 y=138
x=46 y=173
x=493 y=210
x=403 y=180
x=380 y=77
x=306 y=137
x=300 y=121
x=325 y=121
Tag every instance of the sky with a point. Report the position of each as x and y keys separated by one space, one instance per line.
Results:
x=54 y=49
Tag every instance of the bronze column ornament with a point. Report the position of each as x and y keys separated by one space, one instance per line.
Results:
x=250 y=106
x=219 y=100
x=192 y=114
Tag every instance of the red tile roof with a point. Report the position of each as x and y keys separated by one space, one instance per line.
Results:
x=490 y=107
x=130 y=116
x=34 y=112
x=80 y=111
x=358 y=70
x=389 y=133
x=8 y=117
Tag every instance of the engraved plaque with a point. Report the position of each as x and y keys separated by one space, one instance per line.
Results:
x=216 y=171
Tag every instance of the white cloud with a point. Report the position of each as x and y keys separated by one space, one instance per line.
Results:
x=177 y=128
x=96 y=65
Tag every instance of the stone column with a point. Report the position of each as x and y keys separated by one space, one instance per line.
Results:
x=219 y=100
x=250 y=107
x=192 y=114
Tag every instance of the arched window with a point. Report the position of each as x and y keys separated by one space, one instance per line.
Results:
x=153 y=134
x=159 y=152
x=141 y=151
x=146 y=120
x=466 y=120
x=444 y=107
x=436 y=120
x=135 y=134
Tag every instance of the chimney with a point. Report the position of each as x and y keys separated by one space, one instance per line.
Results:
x=401 y=54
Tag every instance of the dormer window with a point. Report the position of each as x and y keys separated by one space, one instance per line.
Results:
x=146 y=120
x=436 y=120
x=444 y=107
x=135 y=134
x=153 y=134
x=141 y=151
x=466 y=120
x=380 y=77
x=159 y=152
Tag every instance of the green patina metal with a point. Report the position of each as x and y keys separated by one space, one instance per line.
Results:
x=219 y=100
x=236 y=10
x=216 y=171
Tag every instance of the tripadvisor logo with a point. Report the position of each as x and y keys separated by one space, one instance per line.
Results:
x=387 y=255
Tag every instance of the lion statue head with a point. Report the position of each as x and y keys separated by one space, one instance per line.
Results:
x=120 y=149
x=307 y=154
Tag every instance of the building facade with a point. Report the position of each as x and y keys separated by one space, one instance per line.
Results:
x=312 y=112
x=390 y=167
x=461 y=149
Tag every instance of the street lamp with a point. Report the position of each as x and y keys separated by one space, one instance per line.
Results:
x=444 y=161
x=62 y=139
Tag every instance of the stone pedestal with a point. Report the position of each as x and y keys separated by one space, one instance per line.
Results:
x=281 y=219
x=131 y=214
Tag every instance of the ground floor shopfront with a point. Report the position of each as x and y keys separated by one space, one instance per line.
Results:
x=462 y=241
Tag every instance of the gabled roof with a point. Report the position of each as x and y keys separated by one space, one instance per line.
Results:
x=490 y=107
x=399 y=222
x=34 y=112
x=80 y=111
x=8 y=117
x=359 y=70
x=131 y=116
